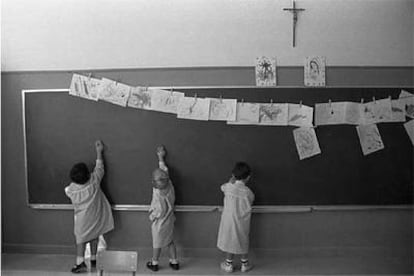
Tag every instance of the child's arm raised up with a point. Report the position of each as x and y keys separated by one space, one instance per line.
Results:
x=161 y=153
x=99 y=168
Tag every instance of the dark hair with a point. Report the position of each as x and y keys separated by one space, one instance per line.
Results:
x=79 y=173
x=241 y=171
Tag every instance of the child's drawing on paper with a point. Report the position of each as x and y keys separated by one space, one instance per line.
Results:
x=306 y=142
x=315 y=71
x=266 y=71
x=330 y=113
x=300 y=115
x=409 y=106
x=114 y=92
x=370 y=138
x=223 y=109
x=165 y=101
x=84 y=87
x=377 y=111
x=246 y=114
x=398 y=110
x=273 y=114
x=409 y=127
x=405 y=94
x=140 y=97
x=353 y=115
x=193 y=108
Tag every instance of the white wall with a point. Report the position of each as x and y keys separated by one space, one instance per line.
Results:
x=95 y=34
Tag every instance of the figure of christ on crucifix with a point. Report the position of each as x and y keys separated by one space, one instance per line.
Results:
x=294 y=12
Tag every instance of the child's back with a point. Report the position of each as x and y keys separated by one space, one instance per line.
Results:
x=233 y=235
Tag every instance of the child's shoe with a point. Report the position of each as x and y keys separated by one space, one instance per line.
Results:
x=153 y=267
x=80 y=268
x=227 y=266
x=175 y=266
x=246 y=266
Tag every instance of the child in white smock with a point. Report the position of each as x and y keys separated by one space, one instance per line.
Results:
x=233 y=235
x=161 y=213
x=92 y=211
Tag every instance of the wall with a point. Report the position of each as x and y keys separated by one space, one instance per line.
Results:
x=340 y=232
x=76 y=34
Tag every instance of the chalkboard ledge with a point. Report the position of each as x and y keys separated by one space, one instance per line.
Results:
x=256 y=209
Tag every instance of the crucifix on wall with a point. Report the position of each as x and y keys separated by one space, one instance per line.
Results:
x=294 y=12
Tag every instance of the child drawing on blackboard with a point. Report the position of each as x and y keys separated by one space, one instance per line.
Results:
x=93 y=215
x=233 y=235
x=161 y=213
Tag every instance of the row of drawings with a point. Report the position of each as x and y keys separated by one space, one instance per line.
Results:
x=314 y=71
x=364 y=115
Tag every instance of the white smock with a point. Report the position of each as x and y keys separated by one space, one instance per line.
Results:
x=93 y=214
x=161 y=213
x=233 y=235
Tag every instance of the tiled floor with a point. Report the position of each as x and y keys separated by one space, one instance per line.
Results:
x=59 y=265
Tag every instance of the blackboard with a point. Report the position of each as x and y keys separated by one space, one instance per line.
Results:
x=60 y=130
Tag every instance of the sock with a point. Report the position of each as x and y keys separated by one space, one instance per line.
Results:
x=93 y=257
x=229 y=262
x=79 y=260
x=244 y=261
x=154 y=262
x=173 y=261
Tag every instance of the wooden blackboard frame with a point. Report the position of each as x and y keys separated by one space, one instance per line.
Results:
x=198 y=208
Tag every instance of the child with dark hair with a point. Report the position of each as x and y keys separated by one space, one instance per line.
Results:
x=161 y=213
x=92 y=211
x=233 y=235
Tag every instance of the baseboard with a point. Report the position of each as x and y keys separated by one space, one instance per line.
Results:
x=405 y=252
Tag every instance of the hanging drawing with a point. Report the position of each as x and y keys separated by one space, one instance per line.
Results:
x=193 y=108
x=300 y=115
x=315 y=71
x=246 y=114
x=114 y=92
x=140 y=97
x=369 y=138
x=84 y=87
x=222 y=109
x=266 y=71
x=330 y=113
x=165 y=101
x=273 y=114
x=306 y=142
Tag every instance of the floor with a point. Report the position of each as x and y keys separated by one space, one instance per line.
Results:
x=59 y=265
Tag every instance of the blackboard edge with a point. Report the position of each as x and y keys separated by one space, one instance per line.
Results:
x=256 y=209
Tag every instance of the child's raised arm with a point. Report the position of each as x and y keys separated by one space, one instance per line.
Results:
x=99 y=168
x=161 y=153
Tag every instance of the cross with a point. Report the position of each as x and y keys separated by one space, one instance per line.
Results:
x=294 y=11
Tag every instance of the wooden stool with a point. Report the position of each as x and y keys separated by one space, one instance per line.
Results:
x=123 y=261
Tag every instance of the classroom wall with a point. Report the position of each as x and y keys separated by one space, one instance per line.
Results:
x=339 y=232
x=94 y=34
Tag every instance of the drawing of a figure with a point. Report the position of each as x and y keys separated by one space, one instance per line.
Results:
x=315 y=71
x=266 y=71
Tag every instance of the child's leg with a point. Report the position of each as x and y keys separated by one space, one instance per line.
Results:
x=229 y=256
x=153 y=264
x=80 y=252
x=172 y=252
x=156 y=252
x=94 y=248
